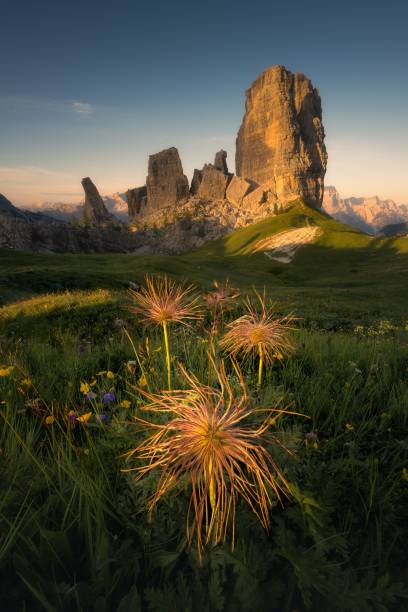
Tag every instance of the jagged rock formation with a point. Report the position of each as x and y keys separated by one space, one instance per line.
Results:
x=214 y=183
x=220 y=161
x=95 y=211
x=196 y=181
x=366 y=214
x=281 y=139
x=137 y=201
x=280 y=156
x=166 y=184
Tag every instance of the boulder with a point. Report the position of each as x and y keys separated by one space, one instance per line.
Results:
x=281 y=138
x=95 y=211
x=213 y=184
x=263 y=195
x=220 y=161
x=238 y=189
x=166 y=184
x=137 y=200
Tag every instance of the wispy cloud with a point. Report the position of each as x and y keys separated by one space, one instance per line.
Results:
x=49 y=105
x=83 y=109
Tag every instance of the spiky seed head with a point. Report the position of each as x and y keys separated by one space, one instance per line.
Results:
x=222 y=296
x=209 y=442
x=161 y=300
x=258 y=327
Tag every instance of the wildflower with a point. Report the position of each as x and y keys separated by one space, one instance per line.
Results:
x=6 y=371
x=125 y=404
x=110 y=374
x=404 y=474
x=108 y=397
x=163 y=302
x=131 y=366
x=102 y=418
x=311 y=436
x=84 y=388
x=207 y=443
x=26 y=382
x=258 y=331
x=222 y=297
x=142 y=382
x=101 y=373
x=349 y=426
x=84 y=418
x=49 y=420
x=90 y=396
x=81 y=349
x=72 y=416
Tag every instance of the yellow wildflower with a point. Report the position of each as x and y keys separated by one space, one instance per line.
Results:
x=84 y=388
x=84 y=418
x=26 y=382
x=349 y=426
x=101 y=373
x=6 y=371
x=110 y=374
x=93 y=383
x=142 y=382
x=125 y=404
x=49 y=420
x=404 y=474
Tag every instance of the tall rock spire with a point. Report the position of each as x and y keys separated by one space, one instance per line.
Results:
x=95 y=211
x=281 y=139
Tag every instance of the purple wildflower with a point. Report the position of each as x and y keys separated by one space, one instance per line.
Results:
x=81 y=349
x=102 y=418
x=72 y=417
x=90 y=396
x=311 y=436
x=108 y=397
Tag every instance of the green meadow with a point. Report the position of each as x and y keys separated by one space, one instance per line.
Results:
x=75 y=534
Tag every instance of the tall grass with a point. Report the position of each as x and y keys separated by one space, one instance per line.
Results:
x=74 y=533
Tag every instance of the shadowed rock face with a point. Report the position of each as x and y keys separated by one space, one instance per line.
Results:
x=95 y=211
x=281 y=138
x=166 y=184
x=137 y=200
x=220 y=161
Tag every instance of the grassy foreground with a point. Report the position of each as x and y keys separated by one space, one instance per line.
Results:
x=74 y=532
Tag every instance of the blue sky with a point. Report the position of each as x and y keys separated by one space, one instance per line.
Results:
x=93 y=87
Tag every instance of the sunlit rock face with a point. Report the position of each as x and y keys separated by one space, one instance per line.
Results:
x=95 y=211
x=281 y=138
x=166 y=184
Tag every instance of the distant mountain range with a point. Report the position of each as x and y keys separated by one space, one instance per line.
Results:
x=115 y=203
x=369 y=215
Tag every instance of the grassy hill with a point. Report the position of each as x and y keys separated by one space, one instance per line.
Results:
x=344 y=276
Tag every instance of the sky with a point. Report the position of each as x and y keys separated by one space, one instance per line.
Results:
x=92 y=88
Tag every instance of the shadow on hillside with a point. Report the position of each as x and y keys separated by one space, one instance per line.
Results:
x=361 y=278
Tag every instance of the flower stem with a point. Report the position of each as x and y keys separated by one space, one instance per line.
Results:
x=260 y=364
x=166 y=345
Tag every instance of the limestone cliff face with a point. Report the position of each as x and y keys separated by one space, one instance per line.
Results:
x=95 y=211
x=166 y=184
x=281 y=139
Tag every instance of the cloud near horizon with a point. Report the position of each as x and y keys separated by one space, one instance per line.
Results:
x=83 y=109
